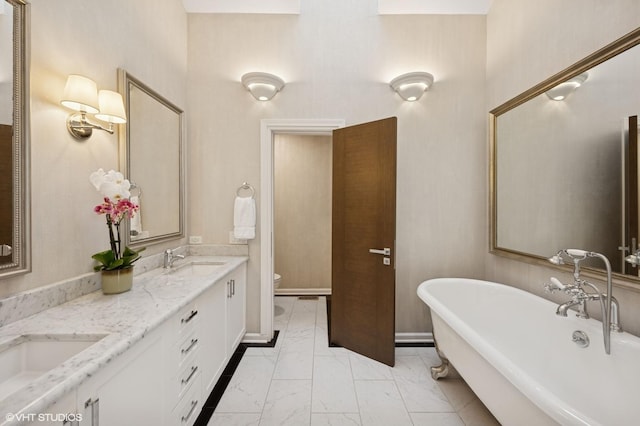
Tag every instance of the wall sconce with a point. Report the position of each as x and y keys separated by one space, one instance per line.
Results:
x=262 y=86
x=412 y=85
x=564 y=89
x=81 y=95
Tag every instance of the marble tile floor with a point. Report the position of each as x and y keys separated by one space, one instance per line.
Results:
x=302 y=381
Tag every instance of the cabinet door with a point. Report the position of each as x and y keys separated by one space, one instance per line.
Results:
x=213 y=354
x=128 y=392
x=236 y=310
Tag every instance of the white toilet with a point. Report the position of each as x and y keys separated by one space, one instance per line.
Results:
x=276 y=280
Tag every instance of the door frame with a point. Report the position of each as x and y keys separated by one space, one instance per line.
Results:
x=268 y=129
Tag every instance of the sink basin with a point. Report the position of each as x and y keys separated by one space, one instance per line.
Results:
x=197 y=269
x=27 y=357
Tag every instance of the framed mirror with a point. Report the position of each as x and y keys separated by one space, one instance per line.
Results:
x=14 y=139
x=152 y=157
x=562 y=162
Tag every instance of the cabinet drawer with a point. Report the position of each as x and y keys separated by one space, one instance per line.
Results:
x=185 y=321
x=182 y=381
x=187 y=411
x=181 y=351
x=187 y=349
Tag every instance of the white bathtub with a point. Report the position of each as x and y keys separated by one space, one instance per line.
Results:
x=519 y=358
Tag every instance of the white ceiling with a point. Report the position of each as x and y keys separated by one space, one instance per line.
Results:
x=385 y=7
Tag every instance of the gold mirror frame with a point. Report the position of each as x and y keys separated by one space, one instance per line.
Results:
x=21 y=244
x=125 y=82
x=617 y=47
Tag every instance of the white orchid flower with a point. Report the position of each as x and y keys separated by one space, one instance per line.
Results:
x=111 y=184
x=96 y=178
x=115 y=191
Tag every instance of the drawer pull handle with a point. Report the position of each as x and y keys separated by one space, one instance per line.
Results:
x=189 y=318
x=191 y=345
x=193 y=371
x=194 y=403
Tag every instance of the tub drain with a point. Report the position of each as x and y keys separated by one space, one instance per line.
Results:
x=580 y=338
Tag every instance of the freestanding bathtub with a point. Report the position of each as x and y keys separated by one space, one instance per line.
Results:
x=518 y=356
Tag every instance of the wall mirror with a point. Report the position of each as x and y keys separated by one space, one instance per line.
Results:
x=564 y=172
x=152 y=157
x=14 y=138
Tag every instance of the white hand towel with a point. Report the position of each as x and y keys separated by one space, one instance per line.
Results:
x=244 y=218
x=136 y=221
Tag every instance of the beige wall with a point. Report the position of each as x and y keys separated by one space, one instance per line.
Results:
x=337 y=58
x=526 y=43
x=94 y=38
x=302 y=210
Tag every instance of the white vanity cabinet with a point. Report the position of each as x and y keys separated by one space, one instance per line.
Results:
x=223 y=324
x=183 y=366
x=212 y=331
x=165 y=378
x=236 y=282
x=128 y=390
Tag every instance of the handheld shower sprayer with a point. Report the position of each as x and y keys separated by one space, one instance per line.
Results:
x=606 y=300
x=576 y=255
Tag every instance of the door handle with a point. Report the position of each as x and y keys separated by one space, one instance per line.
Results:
x=385 y=251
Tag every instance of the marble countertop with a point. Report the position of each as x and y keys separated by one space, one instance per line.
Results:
x=123 y=319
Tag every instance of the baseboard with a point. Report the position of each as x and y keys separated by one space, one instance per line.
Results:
x=414 y=337
x=302 y=291
x=253 y=338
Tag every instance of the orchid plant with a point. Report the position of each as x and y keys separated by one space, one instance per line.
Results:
x=116 y=206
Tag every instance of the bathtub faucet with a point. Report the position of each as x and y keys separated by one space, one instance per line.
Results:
x=579 y=297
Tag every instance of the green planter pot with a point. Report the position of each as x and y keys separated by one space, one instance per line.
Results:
x=117 y=281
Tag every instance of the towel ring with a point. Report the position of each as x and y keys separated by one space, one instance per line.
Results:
x=133 y=187
x=244 y=186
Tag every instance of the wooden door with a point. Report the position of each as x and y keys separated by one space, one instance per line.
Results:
x=632 y=221
x=364 y=219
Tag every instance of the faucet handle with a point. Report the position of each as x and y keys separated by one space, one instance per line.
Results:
x=554 y=285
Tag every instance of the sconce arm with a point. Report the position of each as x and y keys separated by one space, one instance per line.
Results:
x=81 y=128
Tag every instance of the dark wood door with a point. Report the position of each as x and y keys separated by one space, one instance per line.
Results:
x=632 y=223
x=364 y=227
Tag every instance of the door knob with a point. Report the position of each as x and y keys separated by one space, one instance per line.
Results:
x=385 y=251
x=5 y=250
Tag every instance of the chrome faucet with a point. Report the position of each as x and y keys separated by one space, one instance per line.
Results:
x=169 y=258
x=579 y=297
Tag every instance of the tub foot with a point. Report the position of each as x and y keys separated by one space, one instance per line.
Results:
x=443 y=369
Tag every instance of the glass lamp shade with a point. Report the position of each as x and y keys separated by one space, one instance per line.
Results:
x=261 y=85
x=562 y=90
x=111 y=107
x=80 y=94
x=412 y=85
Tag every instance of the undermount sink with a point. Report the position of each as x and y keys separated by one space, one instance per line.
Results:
x=27 y=357
x=197 y=269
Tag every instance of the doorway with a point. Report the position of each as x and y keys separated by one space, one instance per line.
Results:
x=302 y=214
x=269 y=128
x=363 y=218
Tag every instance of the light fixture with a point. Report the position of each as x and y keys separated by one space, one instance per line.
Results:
x=263 y=86
x=81 y=95
x=412 y=85
x=564 y=89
